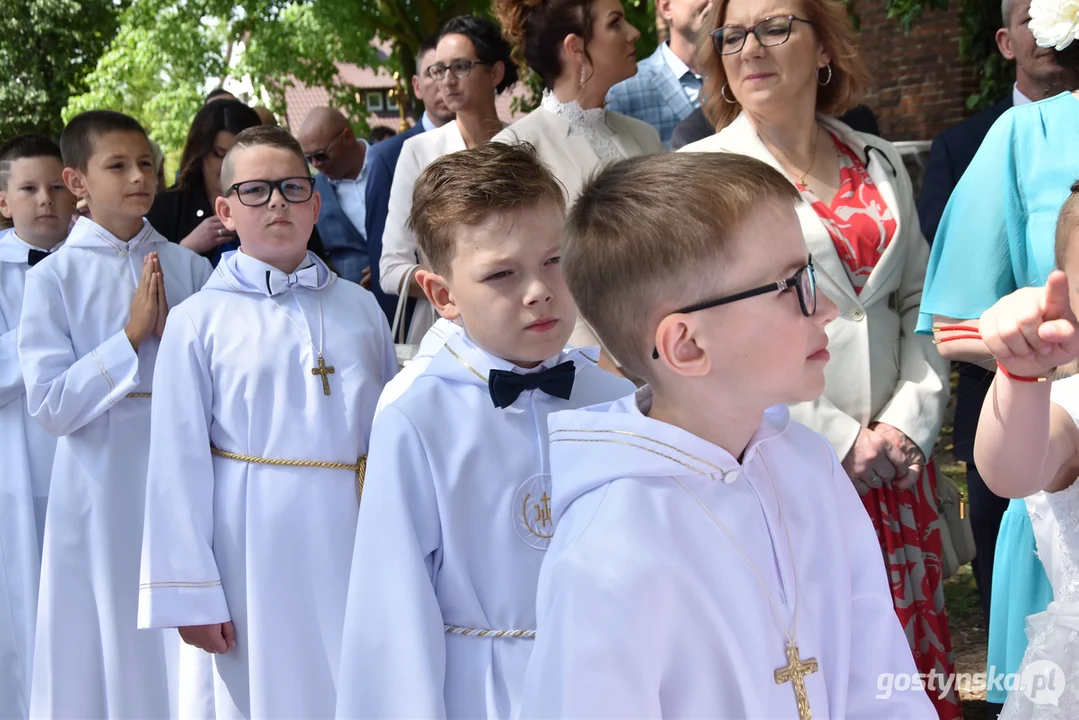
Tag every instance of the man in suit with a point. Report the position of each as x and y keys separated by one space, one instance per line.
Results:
x=382 y=161
x=1037 y=76
x=666 y=87
x=333 y=149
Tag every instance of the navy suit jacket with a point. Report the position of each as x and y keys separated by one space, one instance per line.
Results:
x=345 y=245
x=949 y=157
x=382 y=161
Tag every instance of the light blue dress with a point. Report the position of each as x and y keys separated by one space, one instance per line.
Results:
x=996 y=236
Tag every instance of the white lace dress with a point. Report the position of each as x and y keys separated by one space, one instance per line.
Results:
x=590 y=124
x=1049 y=675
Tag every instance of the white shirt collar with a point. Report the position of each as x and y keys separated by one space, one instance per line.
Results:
x=1018 y=98
x=674 y=62
x=428 y=124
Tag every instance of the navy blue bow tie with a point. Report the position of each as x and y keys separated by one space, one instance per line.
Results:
x=36 y=256
x=506 y=386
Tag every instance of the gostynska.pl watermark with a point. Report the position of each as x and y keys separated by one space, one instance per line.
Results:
x=1042 y=681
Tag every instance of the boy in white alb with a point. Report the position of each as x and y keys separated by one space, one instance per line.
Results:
x=712 y=559
x=456 y=517
x=262 y=412
x=88 y=340
x=33 y=196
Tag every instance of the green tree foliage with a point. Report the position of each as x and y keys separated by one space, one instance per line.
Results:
x=47 y=48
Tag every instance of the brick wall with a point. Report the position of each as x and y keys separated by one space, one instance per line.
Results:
x=919 y=83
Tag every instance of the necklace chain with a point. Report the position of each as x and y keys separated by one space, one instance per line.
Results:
x=306 y=332
x=793 y=632
x=790 y=166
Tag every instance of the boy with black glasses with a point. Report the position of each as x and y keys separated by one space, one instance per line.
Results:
x=262 y=413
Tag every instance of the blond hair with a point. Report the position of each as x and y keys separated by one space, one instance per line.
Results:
x=1067 y=226
x=464 y=188
x=259 y=136
x=647 y=233
x=849 y=73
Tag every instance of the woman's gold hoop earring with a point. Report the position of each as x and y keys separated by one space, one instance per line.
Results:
x=723 y=94
x=828 y=79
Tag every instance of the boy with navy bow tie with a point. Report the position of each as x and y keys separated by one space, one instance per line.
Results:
x=456 y=513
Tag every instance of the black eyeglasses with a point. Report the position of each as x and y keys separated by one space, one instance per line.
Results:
x=460 y=68
x=770 y=32
x=321 y=156
x=804 y=282
x=254 y=193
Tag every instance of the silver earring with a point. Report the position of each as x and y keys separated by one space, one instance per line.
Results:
x=828 y=79
x=582 y=76
x=723 y=94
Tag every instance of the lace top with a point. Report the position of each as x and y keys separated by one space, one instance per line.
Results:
x=1060 y=515
x=591 y=124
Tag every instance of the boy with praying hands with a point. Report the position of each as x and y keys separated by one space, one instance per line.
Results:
x=262 y=413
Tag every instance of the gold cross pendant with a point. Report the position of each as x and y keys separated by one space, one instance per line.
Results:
x=324 y=371
x=795 y=672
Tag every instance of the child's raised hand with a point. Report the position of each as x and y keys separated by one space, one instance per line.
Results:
x=217 y=638
x=143 y=317
x=162 y=301
x=1033 y=330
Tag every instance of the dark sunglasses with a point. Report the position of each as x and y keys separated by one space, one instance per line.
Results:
x=804 y=282
x=321 y=156
x=254 y=193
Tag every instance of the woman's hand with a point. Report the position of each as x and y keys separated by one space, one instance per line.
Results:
x=1033 y=331
x=210 y=233
x=913 y=462
x=872 y=460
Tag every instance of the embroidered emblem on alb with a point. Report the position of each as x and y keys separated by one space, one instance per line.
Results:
x=532 y=511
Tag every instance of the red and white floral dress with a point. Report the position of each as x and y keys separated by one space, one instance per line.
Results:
x=907 y=521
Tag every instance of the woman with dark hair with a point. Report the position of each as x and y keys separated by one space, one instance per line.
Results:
x=185 y=212
x=473 y=66
x=580 y=48
x=997 y=235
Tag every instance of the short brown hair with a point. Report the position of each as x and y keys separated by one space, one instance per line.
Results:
x=849 y=74
x=465 y=187
x=1067 y=226
x=646 y=232
x=259 y=135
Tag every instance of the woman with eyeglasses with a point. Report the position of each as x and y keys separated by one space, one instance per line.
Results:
x=472 y=66
x=778 y=72
x=580 y=49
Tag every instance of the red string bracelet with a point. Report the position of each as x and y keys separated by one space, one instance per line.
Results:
x=1019 y=378
x=972 y=333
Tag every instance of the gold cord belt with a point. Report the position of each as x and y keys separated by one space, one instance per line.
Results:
x=508 y=634
x=139 y=395
x=359 y=467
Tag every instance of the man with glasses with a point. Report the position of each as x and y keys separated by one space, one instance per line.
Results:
x=332 y=148
x=382 y=161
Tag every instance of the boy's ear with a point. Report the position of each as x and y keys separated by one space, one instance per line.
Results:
x=438 y=292
x=5 y=209
x=224 y=213
x=76 y=183
x=679 y=349
x=316 y=198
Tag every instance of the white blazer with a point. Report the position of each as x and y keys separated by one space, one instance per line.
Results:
x=573 y=162
x=399 y=250
x=880 y=369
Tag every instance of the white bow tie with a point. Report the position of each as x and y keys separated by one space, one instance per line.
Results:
x=278 y=282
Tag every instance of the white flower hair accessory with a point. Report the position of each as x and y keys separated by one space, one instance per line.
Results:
x=1055 y=23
